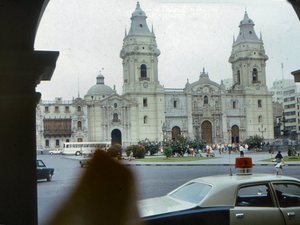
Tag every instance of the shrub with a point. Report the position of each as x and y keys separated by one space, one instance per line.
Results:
x=138 y=151
x=180 y=145
x=254 y=141
x=168 y=152
x=150 y=146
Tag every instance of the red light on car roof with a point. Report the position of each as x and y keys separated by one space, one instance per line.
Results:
x=243 y=162
x=243 y=165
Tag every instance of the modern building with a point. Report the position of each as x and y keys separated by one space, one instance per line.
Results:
x=204 y=108
x=287 y=92
x=277 y=89
x=60 y=121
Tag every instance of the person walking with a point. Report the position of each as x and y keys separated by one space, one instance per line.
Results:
x=279 y=163
x=278 y=157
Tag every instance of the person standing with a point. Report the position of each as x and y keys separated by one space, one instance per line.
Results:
x=241 y=149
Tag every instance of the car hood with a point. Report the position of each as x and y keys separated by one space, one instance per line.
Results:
x=160 y=205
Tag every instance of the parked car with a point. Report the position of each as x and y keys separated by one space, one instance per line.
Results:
x=228 y=200
x=55 y=151
x=43 y=172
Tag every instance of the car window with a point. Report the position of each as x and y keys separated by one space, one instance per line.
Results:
x=191 y=192
x=288 y=195
x=254 y=196
x=40 y=163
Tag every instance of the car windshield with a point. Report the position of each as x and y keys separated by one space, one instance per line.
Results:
x=192 y=192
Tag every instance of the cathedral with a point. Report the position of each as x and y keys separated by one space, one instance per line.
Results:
x=202 y=109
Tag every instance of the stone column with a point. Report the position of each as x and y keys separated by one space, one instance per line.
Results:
x=21 y=69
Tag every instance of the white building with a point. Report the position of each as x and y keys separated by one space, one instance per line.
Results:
x=146 y=110
x=278 y=86
x=60 y=121
x=287 y=92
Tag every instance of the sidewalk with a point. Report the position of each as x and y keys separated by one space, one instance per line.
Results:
x=219 y=160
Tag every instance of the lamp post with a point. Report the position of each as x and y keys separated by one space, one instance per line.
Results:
x=283 y=121
x=197 y=136
x=262 y=130
x=164 y=130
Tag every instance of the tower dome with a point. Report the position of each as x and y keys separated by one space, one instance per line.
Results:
x=100 y=89
x=247 y=32
x=138 y=22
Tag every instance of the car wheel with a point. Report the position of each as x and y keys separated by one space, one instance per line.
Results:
x=49 y=178
x=77 y=153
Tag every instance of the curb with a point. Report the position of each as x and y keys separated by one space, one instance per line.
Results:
x=182 y=164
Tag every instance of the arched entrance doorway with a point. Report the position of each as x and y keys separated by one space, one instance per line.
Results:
x=116 y=137
x=206 y=132
x=176 y=132
x=235 y=134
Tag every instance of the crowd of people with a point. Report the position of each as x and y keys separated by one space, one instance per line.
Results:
x=210 y=150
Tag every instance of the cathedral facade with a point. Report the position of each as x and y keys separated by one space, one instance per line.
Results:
x=202 y=109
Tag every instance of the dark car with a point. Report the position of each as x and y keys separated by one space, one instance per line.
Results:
x=43 y=172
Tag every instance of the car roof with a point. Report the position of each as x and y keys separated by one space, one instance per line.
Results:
x=237 y=179
x=224 y=187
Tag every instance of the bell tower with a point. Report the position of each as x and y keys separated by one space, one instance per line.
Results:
x=248 y=57
x=249 y=94
x=140 y=76
x=140 y=56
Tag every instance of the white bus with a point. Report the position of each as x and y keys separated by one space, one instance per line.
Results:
x=83 y=148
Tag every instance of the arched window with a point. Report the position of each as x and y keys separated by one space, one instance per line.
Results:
x=238 y=79
x=260 y=119
x=234 y=104
x=79 y=125
x=145 y=119
x=254 y=75
x=143 y=71
x=205 y=100
x=79 y=108
x=115 y=117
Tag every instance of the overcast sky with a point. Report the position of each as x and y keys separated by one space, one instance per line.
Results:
x=191 y=34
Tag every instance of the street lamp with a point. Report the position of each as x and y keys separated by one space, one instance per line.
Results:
x=284 y=131
x=262 y=130
x=197 y=136
x=164 y=130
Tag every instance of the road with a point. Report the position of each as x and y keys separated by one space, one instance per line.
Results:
x=152 y=181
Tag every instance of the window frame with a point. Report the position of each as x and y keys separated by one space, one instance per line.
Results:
x=145 y=102
x=271 y=195
x=276 y=193
x=143 y=71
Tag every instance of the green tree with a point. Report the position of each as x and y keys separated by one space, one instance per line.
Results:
x=254 y=141
x=180 y=145
x=138 y=151
x=168 y=151
x=150 y=146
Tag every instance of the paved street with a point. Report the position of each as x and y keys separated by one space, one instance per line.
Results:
x=151 y=180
